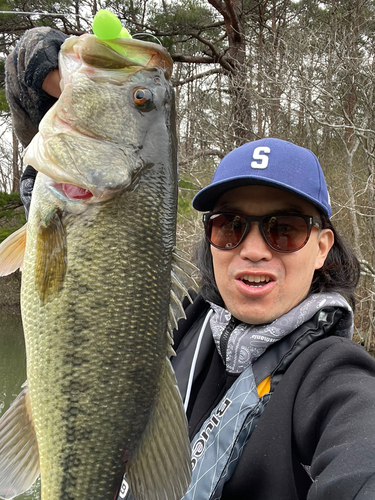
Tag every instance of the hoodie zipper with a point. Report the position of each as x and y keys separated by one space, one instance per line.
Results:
x=224 y=339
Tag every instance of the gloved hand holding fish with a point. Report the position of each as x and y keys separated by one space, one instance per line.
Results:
x=102 y=285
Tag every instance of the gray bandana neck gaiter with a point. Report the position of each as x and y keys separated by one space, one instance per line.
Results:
x=248 y=342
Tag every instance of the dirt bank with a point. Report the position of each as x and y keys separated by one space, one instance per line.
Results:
x=12 y=216
x=10 y=293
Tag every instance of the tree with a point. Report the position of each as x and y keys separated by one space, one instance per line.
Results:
x=298 y=70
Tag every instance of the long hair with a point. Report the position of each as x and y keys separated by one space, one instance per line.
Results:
x=340 y=272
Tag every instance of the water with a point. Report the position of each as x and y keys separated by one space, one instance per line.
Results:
x=13 y=373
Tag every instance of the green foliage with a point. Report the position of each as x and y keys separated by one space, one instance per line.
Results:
x=184 y=203
x=10 y=220
x=188 y=220
x=183 y=17
x=6 y=199
x=179 y=22
x=2 y=70
x=186 y=193
x=3 y=102
x=6 y=213
x=7 y=231
x=183 y=183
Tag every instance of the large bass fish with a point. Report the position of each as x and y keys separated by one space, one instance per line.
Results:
x=101 y=286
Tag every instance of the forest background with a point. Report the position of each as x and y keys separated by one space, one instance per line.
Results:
x=302 y=71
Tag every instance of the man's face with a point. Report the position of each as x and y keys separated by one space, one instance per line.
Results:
x=257 y=283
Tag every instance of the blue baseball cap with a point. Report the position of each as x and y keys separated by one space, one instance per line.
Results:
x=270 y=162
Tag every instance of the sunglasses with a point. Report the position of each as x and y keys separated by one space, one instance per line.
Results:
x=282 y=232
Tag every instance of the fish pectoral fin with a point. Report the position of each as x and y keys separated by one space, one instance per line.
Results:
x=12 y=251
x=19 y=455
x=50 y=258
x=162 y=465
x=182 y=284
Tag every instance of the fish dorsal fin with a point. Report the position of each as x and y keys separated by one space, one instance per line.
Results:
x=162 y=466
x=19 y=455
x=12 y=251
x=50 y=259
x=182 y=283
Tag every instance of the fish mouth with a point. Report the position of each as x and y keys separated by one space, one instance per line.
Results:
x=119 y=53
x=75 y=193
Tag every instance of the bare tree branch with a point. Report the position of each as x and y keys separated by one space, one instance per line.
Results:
x=193 y=59
x=201 y=154
x=198 y=76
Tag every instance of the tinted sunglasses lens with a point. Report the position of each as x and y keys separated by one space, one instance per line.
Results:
x=286 y=233
x=225 y=230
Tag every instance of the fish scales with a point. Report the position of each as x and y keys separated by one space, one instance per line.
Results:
x=89 y=353
x=96 y=284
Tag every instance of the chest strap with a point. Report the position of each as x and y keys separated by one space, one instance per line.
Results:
x=218 y=446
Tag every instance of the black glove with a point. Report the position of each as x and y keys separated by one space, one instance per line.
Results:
x=26 y=187
x=35 y=55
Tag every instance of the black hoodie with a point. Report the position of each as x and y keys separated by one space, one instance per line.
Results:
x=316 y=437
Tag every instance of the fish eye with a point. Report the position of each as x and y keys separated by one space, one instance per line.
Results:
x=143 y=99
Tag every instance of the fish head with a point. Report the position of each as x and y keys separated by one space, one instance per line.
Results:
x=113 y=120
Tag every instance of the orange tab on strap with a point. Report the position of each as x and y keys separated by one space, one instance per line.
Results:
x=264 y=387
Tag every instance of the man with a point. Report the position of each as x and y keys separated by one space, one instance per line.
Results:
x=280 y=401
x=275 y=274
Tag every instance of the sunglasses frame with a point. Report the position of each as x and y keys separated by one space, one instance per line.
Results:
x=311 y=221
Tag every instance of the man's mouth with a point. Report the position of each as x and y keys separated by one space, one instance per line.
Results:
x=257 y=281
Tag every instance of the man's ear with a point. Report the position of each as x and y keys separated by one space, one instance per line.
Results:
x=325 y=242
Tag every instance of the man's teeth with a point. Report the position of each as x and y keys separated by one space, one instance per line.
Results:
x=256 y=279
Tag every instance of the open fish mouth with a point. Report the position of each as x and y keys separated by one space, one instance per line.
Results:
x=73 y=192
x=66 y=191
x=73 y=161
x=120 y=53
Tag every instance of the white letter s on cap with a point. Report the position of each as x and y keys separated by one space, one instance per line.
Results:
x=257 y=155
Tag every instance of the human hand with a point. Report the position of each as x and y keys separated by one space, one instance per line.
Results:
x=51 y=83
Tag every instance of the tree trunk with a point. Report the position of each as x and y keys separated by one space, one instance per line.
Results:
x=15 y=169
x=232 y=12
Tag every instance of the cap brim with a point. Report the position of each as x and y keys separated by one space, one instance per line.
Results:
x=207 y=197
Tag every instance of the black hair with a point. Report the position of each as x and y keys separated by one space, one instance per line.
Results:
x=340 y=272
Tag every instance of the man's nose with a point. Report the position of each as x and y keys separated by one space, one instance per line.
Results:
x=254 y=247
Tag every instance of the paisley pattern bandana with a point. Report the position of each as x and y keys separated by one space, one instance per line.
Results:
x=248 y=342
